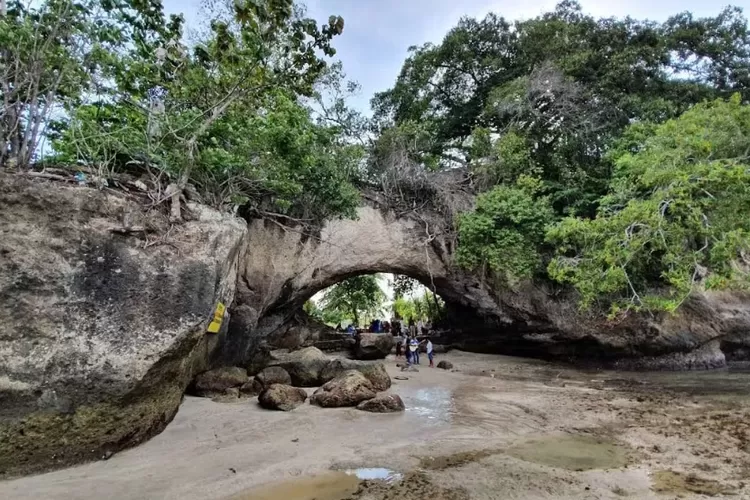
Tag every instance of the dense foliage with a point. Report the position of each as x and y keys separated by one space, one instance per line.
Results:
x=611 y=154
x=355 y=299
x=226 y=115
x=425 y=307
x=676 y=218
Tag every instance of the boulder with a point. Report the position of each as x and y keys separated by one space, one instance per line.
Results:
x=104 y=307
x=231 y=395
x=282 y=397
x=348 y=389
x=250 y=388
x=271 y=375
x=373 y=345
x=445 y=365
x=382 y=403
x=374 y=372
x=304 y=331
x=216 y=382
x=304 y=366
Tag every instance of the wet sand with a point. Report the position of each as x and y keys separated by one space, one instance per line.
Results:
x=500 y=428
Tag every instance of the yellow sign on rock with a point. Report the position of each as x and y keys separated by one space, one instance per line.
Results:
x=215 y=324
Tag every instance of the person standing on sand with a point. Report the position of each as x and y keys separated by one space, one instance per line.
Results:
x=414 y=350
x=399 y=346
x=407 y=352
x=429 y=352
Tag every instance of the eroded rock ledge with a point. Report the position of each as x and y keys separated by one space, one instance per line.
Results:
x=103 y=309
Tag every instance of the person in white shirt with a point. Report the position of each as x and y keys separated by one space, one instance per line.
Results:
x=429 y=352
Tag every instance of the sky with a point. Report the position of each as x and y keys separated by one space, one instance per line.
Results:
x=378 y=33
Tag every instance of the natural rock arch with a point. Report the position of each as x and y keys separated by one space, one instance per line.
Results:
x=285 y=266
x=104 y=310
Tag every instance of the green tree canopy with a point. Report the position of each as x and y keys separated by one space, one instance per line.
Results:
x=561 y=87
x=675 y=219
x=354 y=297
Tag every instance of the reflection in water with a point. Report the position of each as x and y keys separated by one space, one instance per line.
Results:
x=431 y=404
x=372 y=473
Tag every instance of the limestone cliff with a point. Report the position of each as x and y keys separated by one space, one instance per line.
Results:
x=103 y=309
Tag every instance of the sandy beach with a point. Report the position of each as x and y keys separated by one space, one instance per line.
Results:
x=496 y=428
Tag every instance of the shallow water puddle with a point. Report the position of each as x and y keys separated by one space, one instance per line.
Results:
x=373 y=473
x=573 y=452
x=432 y=404
x=335 y=485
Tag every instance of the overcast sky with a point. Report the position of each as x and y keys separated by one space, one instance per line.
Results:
x=378 y=33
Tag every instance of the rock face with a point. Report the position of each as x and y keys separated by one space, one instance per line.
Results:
x=373 y=345
x=282 y=397
x=304 y=366
x=383 y=403
x=102 y=317
x=374 y=372
x=215 y=382
x=285 y=268
x=348 y=389
x=271 y=375
x=445 y=365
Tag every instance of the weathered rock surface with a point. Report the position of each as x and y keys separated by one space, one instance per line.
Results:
x=374 y=372
x=383 y=403
x=528 y=319
x=304 y=331
x=250 y=388
x=445 y=365
x=272 y=375
x=304 y=366
x=230 y=395
x=373 y=345
x=282 y=397
x=102 y=317
x=215 y=382
x=348 y=389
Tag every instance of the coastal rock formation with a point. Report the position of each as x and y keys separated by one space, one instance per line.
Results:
x=104 y=308
x=374 y=372
x=282 y=397
x=348 y=389
x=103 y=317
x=272 y=375
x=373 y=346
x=383 y=403
x=214 y=382
x=304 y=366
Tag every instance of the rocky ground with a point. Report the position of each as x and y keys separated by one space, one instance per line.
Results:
x=498 y=428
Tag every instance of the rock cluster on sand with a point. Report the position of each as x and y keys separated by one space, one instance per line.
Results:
x=374 y=372
x=382 y=403
x=213 y=383
x=445 y=365
x=345 y=382
x=304 y=366
x=348 y=389
x=271 y=375
x=282 y=397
